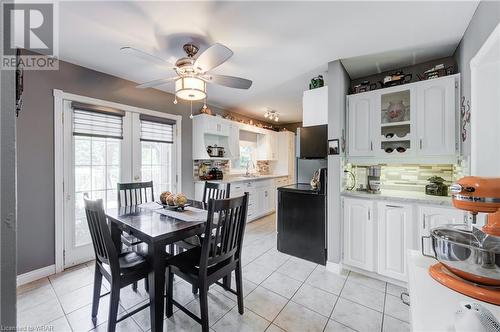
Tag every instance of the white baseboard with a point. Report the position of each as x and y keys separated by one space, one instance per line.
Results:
x=35 y=275
x=334 y=267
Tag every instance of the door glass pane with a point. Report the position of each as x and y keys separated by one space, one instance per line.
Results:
x=97 y=171
x=156 y=166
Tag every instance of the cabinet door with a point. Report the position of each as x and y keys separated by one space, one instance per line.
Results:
x=430 y=217
x=361 y=113
x=234 y=142
x=315 y=107
x=358 y=233
x=436 y=117
x=273 y=146
x=394 y=238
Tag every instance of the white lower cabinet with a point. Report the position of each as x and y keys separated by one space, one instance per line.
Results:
x=378 y=233
x=359 y=233
x=431 y=216
x=394 y=238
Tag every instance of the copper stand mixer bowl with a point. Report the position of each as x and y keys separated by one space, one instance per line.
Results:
x=469 y=258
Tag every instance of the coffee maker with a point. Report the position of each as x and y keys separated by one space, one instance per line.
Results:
x=373 y=179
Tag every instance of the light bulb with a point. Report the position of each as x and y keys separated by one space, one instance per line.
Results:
x=204 y=106
x=266 y=115
x=175 y=100
x=191 y=116
x=276 y=119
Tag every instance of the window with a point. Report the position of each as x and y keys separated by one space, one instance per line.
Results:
x=156 y=153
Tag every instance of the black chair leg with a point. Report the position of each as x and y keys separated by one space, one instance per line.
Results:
x=97 y=293
x=227 y=281
x=113 y=305
x=239 y=288
x=204 y=308
x=169 y=306
x=194 y=289
x=134 y=286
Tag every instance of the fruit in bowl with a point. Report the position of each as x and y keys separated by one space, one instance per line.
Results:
x=164 y=195
x=171 y=200
x=180 y=200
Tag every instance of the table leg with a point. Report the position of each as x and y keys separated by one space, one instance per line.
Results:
x=156 y=254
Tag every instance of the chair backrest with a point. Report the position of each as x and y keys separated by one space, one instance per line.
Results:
x=214 y=190
x=135 y=193
x=104 y=248
x=224 y=231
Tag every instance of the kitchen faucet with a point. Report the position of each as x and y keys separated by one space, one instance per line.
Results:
x=248 y=165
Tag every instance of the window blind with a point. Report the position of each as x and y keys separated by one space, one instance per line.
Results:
x=157 y=129
x=97 y=124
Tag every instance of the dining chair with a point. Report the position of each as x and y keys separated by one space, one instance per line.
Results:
x=119 y=269
x=218 y=256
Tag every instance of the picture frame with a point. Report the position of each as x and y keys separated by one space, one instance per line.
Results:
x=333 y=147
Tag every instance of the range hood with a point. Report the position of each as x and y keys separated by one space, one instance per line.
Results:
x=312 y=142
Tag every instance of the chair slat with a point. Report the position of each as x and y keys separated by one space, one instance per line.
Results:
x=133 y=193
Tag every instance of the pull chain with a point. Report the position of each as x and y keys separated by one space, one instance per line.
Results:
x=191 y=116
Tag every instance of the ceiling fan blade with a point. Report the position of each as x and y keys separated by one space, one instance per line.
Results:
x=229 y=81
x=152 y=84
x=213 y=56
x=146 y=56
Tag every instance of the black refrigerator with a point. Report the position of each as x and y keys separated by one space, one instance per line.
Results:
x=302 y=220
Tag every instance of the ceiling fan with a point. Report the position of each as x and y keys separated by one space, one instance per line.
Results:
x=192 y=71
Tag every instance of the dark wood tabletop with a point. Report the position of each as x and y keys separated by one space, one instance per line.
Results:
x=157 y=231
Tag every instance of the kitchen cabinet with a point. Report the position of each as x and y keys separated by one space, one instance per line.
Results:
x=234 y=141
x=216 y=126
x=267 y=146
x=416 y=120
x=285 y=163
x=361 y=117
x=315 y=107
x=430 y=217
x=359 y=233
x=394 y=238
x=436 y=117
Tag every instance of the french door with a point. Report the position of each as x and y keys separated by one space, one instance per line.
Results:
x=101 y=149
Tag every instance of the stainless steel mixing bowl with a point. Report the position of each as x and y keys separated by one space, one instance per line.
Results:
x=470 y=255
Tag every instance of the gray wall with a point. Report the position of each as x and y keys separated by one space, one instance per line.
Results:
x=7 y=199
x=485 y=19
x=36 y=151
x=338 y=87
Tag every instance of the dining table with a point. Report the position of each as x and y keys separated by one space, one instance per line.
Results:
x=158 y=228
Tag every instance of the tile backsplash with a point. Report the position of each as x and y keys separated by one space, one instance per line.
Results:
x=220 y=164
x=408 y=177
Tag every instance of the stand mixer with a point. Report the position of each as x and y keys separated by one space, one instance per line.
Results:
x=469 y=257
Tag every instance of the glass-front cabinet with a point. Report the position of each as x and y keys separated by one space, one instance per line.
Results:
x=395 y=134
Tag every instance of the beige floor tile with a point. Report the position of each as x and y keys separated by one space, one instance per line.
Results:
x=326 y=280
x=366 y=281
x=396 y=308
x=265 y=303
x=248 y=322
x=281 y=284
x=71 y=280
x=357 y=316
x=218 y=306
x=127 y=325
x=78 y=298
x=40 y=314
x=395 y=325
x=256 y=273
x=274 y=328
x=81 y=319
x=295 y=317
x=272 y=259
x=32 y=285
x=58 y=325
x=395 y=289
x=297 y=269
x=334 y=326
x=315 y=299
x=35 y=296
x=369 y=297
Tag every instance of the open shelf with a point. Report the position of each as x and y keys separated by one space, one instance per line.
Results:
x=394 y=124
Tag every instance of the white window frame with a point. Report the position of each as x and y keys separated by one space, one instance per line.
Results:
x=59 y=98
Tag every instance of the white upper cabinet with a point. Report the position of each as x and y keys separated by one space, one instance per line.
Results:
x=394 y=238
x=436 y=117
x=267 y=146
x=416 y=120
x=315 y=107
x=361 y=115
x=234 y=141
x=359 y=233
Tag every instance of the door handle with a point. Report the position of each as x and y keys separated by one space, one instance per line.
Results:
x=420 y=144
x=423 y=222
x=394 y=206
x=371 y=146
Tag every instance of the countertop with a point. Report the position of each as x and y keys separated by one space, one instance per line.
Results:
x=241 y=178
x=433 y=306
x=401 y=196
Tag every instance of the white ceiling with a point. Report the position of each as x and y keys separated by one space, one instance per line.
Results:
x=278 y=45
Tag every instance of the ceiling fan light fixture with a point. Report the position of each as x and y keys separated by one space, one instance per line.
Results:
x=190 y=88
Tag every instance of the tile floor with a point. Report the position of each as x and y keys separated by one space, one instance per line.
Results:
x=282 y=293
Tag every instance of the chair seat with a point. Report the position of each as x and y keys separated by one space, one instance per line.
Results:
x=131 y=262
x=129 y=240
x=187 y=263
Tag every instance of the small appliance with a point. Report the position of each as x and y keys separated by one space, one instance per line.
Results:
x=312 y=142
x=436 y=187
x=216 y=174
x=469 y=257
x=373 y=179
